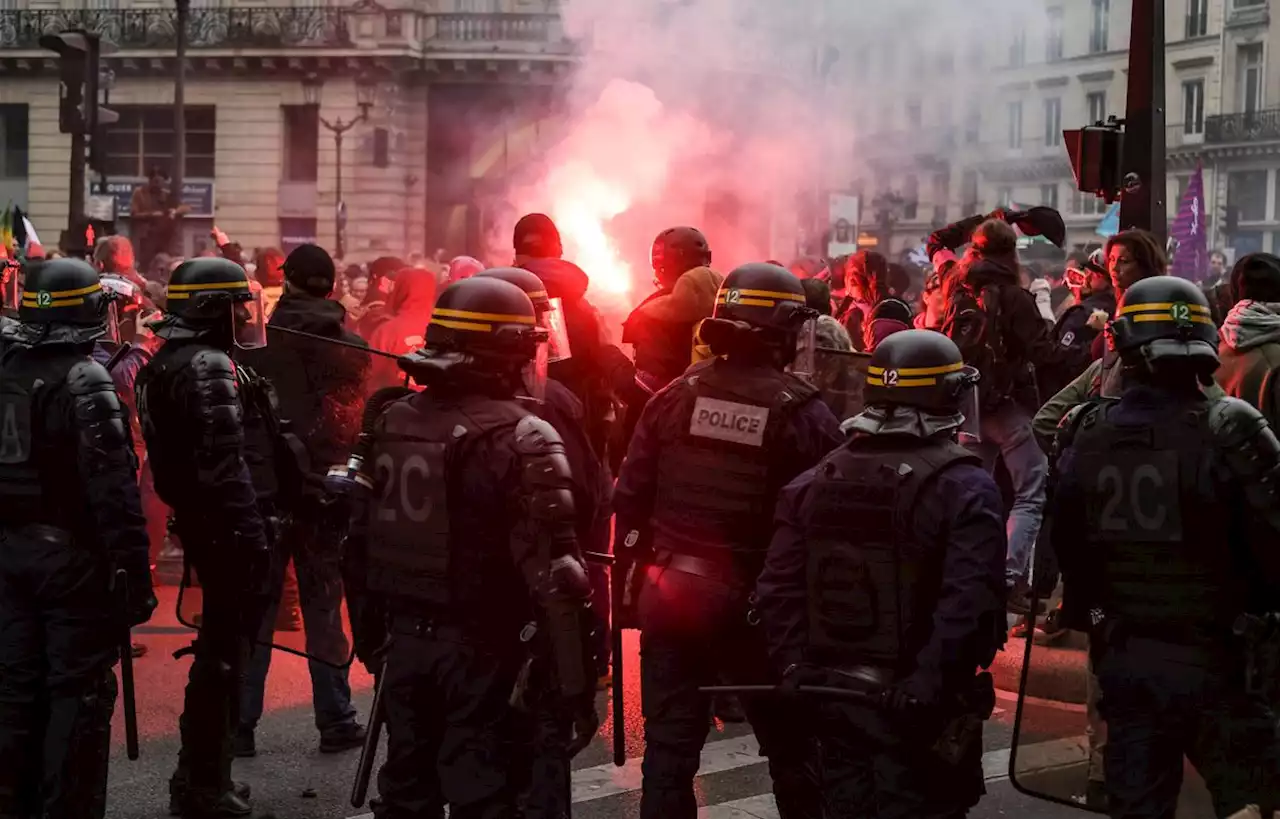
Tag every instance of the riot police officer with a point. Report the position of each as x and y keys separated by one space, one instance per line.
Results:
x=65 y=532
x=886 y=577
x=693 y=499
x=1165 y=522
x=469 y=539
x=195 y=420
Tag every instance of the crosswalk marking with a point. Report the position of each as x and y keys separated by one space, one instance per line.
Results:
x=603 y=781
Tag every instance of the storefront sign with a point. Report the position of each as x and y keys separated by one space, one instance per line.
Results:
x=198 y=196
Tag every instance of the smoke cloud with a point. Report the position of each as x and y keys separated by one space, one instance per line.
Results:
x=738 y=117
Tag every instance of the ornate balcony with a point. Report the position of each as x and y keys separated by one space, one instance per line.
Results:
x=1258 y=126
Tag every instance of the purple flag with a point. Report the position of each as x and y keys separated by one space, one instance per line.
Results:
x=1191 y=254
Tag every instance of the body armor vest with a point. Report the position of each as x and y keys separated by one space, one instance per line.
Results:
x=872 y=587
x=415 y=462
x=1159 y=549
x=717 y=484
x=36 y=450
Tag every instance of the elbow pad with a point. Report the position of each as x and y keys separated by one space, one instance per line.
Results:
x=1252 y=453
x=217 y=401
x=546 y=482
x=100 y=417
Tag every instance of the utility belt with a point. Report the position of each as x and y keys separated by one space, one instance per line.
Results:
x=735 y=570
x=416 y=625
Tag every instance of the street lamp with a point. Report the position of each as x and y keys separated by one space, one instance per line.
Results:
x=366 y=90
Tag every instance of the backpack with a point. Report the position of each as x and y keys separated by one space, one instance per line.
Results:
x=972 y=321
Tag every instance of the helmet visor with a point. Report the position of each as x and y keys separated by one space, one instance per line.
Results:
x=534 y=374
x=10 y=287
x=805 y=363
x=552 y=320
x=970 y=430
x=249 y=322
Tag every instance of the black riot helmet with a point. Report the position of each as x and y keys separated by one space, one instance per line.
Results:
x=485 y=328
x=526 y=281
x=761 y=308
x=677 y=250
x=550 y=313
x=63 y=301
x=1165 y=321
x=209 y=297
x=921 y=369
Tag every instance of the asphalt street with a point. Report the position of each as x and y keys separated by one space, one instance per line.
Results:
x=291 y=779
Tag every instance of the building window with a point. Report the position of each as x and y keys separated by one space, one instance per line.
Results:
x=1015 y=125
x=1247 y=4
x=13 y=141
x=1053 y=48
x=973 y=124
x=1018 y=49
x=941 y=193
x=295 y=232
x=969 y=192
x=1098 y=25
x=301 y=142
x=143 y=139
x=1086 y=204
x=1049 y=196
x=1096 y=102
x=1004 y=197
x=1249 y=77
x=1197 y=18
x=1193 y=107
x=1053 y=122
x=913 y=114
x=911 y=197
x=1247 y=191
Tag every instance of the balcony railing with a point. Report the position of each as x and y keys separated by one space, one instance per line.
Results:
x=1251 y=127
x=289 y=27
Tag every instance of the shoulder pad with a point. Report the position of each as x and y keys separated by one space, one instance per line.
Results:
x=88 y=376
x=1233 y=421
x=535 y=436
x=797 y=390
x=1081 y=416
x=211 y=363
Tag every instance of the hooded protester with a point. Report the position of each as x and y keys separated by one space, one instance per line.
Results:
x=405 y=330
x=382 y=276
x=596 y=369
x=463 y=267
x=888 y=317
x=1250 y=337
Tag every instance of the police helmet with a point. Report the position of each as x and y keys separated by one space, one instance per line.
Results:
x=526 y=281
x=677 y=250
x=922 y=369
x=1165 y=318
x=204 y=289
x=63 y=301
x=765 y=296
x=487 y=318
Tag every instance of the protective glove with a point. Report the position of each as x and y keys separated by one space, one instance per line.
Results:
x=141 y=600
x=803 y=674
x=586 y=722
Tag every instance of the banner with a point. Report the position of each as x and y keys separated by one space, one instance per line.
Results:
x=842 y=218
x=1191 y=256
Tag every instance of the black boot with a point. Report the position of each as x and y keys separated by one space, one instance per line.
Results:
x=237 y=798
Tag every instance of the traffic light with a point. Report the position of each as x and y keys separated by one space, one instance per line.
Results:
x=80 y=54
x=1097 y=154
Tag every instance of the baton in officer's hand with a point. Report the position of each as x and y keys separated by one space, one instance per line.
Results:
x=126 y=665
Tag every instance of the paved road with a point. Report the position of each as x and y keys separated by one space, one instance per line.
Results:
x=292 y=780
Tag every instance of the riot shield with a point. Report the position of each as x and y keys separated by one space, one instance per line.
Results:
x=302 y=603
x=840 y=377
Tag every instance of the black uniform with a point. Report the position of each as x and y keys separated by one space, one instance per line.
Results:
x=886 y=576
x=194 y=409
x=1165 y=523
x=70 y=517
x=470 y=541
x=703 y=470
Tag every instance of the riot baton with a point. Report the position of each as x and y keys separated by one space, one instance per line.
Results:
x=377 y=716
x=126 y=666
x=617 y=585
x=339 y=342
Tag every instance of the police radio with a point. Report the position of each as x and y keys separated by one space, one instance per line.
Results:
x=350 y=478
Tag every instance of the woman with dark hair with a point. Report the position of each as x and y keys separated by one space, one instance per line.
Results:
x=1132 y=256
x=864 y=279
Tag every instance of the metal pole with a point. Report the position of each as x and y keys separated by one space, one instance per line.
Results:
x=1143 y=203
x=177 y=174
x=339 y=240
x=75 y=202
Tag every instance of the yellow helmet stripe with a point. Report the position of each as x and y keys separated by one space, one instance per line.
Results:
x=943 y=370
x=874 y=381
x=55 y=303
x=472 y=326
x=537 y=294
x=1165 y=306
x=752 y=302
x=446 y=312
x=183 y=288
x=64 y=294
x=1170 y=319
x=768 y=294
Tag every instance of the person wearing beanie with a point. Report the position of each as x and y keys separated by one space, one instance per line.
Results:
x=321 y=388
x=536 y=237
x=888 y=317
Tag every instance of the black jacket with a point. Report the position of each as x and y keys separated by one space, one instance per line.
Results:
x=321 y=386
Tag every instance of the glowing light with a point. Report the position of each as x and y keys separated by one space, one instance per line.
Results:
x=583 y=202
